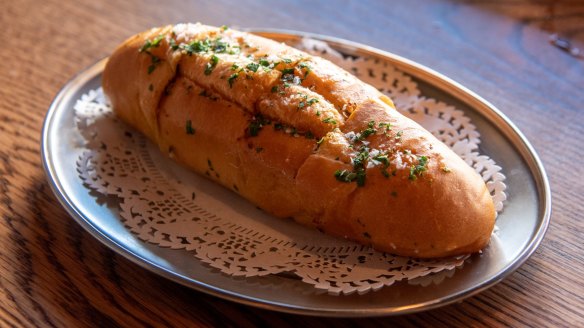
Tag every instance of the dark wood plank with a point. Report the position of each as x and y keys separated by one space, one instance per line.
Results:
x=52 y=273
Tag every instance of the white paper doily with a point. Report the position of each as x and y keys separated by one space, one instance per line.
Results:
x=164 y=204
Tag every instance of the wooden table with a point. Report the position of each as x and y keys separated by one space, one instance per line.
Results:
x=53 y=273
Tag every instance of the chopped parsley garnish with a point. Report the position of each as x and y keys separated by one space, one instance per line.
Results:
x=220 y=46
x=361 y=175
x=189 y=127
x=305 y=66
x=367 y=132
x=359 y=167
x=301 y=104
x=382 y=158
x=173 y=45
x=329 y=120
x=234 y=50
x=357 y=142
x=256 y=124
x=264 y=62
x=359 y=160
x=152 y=67
x=385 y=126
x=287 y=61
x=287 y=71
x=253 y=67
x=211 y=65
x=312 y=101
x=154 y=43
x=231 y=79
x=197 y=46
x=418 y=169
x=224 y=27
x=275 y=89
x=254 y=128
x=317 y=113
x=217 y=46
x=348 y=176
x=345 y=175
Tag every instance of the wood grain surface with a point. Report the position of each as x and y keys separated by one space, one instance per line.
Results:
x=520 y=55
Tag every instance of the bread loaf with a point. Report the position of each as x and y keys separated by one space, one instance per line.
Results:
x=300 y=138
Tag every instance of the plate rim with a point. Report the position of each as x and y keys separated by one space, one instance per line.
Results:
x=527 y=153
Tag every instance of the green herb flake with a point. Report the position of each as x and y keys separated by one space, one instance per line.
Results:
x=287 y=71
x=317 y=113
x=306 y=66
x=154 y=43
x=197 y=46
x=224 y=27
x=418 y=169
x=173 y=45
x=368 y=131
x=189 y=127
x=361 y=175
x=231 y=79
x=264 y=62
x=211 y=65
x=253 y=67
x=312 y=101
x=234 y=50
x=275 y=89
x=385 y=126
x=382 y=158
x=254 y=128
x=329 y=120
x=220 y=46
x=345 y=175
x=256 y=124
x=301 y=105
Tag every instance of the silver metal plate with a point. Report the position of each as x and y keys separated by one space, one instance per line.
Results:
x=522 y=223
